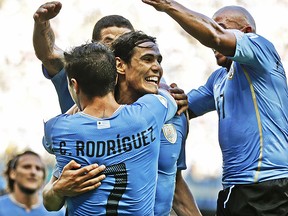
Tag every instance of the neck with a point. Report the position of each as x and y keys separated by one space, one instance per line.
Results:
x=124 y=95
x=26 y=200
x=101 y=107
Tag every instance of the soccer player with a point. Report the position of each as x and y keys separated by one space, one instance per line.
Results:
x=250 y=94
x=126 y=138
x=25 y=174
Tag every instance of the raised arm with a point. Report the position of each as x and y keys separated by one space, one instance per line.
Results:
x=44 y=38
x=201 y=27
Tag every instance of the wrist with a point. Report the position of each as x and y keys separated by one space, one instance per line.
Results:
x=56 y=191
x=43 y=25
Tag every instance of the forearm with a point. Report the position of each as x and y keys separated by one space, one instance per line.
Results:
x=45 y=48
x=51 y=200
x=201 y=27
x=184 y=203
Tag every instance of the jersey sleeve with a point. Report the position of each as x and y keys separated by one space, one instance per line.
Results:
x=253 y=50
x=159 y=105
x=183 y=130
x=201 y=100
x=171 y=104
x=47 y=141
x=61 y=86
x=56 y=171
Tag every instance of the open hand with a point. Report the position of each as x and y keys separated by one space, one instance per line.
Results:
x=75 y=180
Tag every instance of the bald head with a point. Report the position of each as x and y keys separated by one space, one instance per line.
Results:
x=235 y=17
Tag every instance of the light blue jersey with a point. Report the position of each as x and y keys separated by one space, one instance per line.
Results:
x=127 y=143
x=61 y=86
x=251 y=101
x=9 y=206
x=171 y=154
x=171 y=159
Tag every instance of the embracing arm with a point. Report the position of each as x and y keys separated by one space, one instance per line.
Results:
x=199 y=26
x=184 y=203
x=44 y=38
x=72 y=182
x=51 y=200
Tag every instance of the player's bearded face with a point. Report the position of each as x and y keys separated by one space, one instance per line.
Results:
x=222 y=60
x=29 y=174
x=144 y=72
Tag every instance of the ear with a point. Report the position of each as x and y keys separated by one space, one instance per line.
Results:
x=120 y=66
x=75 y=85
x=12 y=174
x=247 y=29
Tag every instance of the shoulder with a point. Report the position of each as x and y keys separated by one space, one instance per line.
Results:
x=56 y=119
x=5 y=200
x=216 y=75
x=253 y=49
x=4 y=197
x=154 y=100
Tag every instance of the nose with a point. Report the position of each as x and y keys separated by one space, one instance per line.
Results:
x=34 y=170
x=156 y=67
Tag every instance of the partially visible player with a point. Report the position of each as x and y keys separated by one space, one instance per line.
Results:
x=25 y=174
x=250 y=94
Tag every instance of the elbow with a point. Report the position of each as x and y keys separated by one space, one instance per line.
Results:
x=49 y=206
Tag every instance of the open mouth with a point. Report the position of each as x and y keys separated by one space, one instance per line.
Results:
x=153 y=80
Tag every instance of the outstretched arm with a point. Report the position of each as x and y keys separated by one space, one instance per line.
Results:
x=72 y=182
x=44 y=38
x=184 y=203
x=199 y=26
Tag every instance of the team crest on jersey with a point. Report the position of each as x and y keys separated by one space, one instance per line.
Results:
x=170 y=132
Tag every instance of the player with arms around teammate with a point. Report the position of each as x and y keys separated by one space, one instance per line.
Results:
x=125 y=138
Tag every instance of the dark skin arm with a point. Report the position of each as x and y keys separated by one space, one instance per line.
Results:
x=199 y=26
x=73 y=181
x=184 y=203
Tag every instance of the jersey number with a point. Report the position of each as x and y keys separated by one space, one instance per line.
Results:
x=120 y=174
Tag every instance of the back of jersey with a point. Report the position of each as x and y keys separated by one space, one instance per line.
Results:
x=128 y=145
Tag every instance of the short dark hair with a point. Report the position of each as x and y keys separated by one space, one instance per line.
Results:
x=12 y=165
x=110 y=21
x=93 y=65
x=124 y=45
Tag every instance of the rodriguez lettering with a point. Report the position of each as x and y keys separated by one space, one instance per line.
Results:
x=102 y=148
